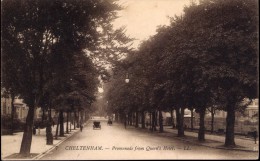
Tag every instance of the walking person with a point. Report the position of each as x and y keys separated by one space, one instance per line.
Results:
x=39 y=130
x=125 y=123
x=34 y=130
x=81 y=127
x=53 y=123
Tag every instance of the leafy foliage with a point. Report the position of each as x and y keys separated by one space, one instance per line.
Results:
x=206 y=57
x=43 y=44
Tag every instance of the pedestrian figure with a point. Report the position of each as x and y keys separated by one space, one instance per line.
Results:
x=34 y=130
x=125 y=124
x=39 y=130
x=81 y=127
x=146 y=124
x=109 y=122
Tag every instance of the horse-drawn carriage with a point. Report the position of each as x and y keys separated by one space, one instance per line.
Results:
x=96 y=125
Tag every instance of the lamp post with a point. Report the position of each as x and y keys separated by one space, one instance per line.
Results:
x=127 y=78
x=126 y=81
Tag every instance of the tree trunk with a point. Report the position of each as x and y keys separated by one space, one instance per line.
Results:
x=61 y=124
x=43 y=114
x=177 y=117
x=212 y=120
x=57 y=128
x=78 y=119
x=27 y=135
x=81 y=118
x=12 y=113
x=74 y=120
x=132 y=120
x=180 y=121
x=201 y=134
x=191 y=120
x=143 y=120
x=85 y=116
x=70 y=121
x=119 y=117
x=230 y=121
x=116 y=117
x=153 y=121
x=125 y=119
x=172 y=119
x=136 y=119
x=156 y=119
x=160 y=121
x=181 y=127
x=49 y=136
x=67 y=125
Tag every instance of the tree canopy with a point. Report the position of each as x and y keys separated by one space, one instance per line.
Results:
x=44 y=46
x=205 y=57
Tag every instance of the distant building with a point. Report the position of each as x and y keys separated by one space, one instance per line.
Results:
x=21 y=109
x=39 y=113
x=252 y=109
x=244 y=122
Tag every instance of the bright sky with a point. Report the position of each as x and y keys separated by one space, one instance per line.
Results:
x=141 y=17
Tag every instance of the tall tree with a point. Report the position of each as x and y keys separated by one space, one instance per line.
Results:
x=229 y=52
x=39 y=30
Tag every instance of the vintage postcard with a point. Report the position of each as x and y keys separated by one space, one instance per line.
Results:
x=129 y=79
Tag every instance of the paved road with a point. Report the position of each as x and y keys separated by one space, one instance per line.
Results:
x=115 y=142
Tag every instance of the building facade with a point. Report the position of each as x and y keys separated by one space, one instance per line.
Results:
x=6 y=107
x=21 y=109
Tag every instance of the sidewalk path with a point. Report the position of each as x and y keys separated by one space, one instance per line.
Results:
x=11 y=143
x=217 y=141
x=211 y=140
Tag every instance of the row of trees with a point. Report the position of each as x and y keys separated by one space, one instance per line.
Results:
x=206 y=57
x=49 y=50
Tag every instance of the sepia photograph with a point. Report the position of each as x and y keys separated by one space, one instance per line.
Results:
x=129 y=80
